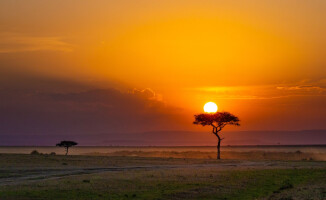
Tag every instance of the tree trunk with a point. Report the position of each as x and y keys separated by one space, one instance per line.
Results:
x=218 y=149
x=66 y=150
x=215 y=132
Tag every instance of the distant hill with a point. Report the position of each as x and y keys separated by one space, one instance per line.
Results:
x=174 y=138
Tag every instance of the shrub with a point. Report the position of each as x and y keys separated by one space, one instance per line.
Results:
x=35 y=152
x=286 y=185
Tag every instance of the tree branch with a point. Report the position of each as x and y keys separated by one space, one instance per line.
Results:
x=214 y=130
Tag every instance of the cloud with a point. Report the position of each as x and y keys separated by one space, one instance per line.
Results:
x=146 y=93
x=306 y=88
x=302 y=88
x=88 y=112
x=13 y=42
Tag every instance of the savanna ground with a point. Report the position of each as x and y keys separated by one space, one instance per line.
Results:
x=276 y=176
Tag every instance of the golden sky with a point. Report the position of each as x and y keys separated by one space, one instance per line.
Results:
x=264 y=61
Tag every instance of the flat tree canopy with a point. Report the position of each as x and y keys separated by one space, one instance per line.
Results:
x=218 y=119
x=67 y=144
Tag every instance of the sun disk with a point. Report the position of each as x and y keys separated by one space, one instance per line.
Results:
x=210 y=107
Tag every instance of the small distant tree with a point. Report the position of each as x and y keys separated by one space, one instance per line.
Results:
x=67 y=144
x=218 y=121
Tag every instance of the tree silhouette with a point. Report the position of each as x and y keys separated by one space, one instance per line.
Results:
x=218 y=121
x=66 y=144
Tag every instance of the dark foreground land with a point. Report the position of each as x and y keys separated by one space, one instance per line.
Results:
x=121 y=177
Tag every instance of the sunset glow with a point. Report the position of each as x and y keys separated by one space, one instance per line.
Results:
x=153 y=64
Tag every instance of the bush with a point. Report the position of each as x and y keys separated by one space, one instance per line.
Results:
x=52 y=153
x=286 y=185
x=35 y=152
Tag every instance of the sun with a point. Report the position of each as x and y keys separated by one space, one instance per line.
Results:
x=210 y=107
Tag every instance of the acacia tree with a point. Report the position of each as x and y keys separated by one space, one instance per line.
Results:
x=66 y=144
x=218 y=121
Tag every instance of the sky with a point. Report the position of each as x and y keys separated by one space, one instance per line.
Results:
x=115 y=68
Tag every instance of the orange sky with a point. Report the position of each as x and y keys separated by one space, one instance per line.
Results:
x=264 y=61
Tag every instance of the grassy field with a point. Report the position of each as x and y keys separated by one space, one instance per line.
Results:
x=115 y=177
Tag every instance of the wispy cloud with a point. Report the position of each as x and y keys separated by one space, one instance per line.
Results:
x=13 y=42
x=266 y=91
x=306 y=88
